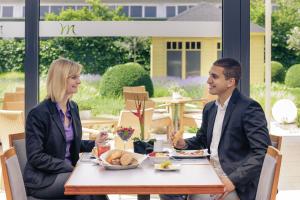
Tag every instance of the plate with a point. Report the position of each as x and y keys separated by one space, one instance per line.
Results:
x=173 y=167
x=139 y=157
x=190 y=153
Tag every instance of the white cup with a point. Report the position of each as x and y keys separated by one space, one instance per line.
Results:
x=158 y=146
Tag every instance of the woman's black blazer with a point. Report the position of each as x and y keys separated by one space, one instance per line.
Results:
x=46 y=144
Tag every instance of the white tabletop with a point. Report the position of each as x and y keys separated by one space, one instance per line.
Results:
x=192 y=178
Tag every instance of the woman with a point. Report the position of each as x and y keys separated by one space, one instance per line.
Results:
x=53 y=134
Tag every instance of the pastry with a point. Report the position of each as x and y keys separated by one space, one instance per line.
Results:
x=126 y=159
x=115 y=155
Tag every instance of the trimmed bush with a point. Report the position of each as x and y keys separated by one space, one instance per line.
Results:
x=278 y=72
x=292 y=76
x=129 y=74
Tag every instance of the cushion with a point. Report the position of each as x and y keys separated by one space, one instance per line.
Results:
x=266 y=178
x=15 y=179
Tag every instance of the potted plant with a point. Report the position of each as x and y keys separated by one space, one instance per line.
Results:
x=139 y=144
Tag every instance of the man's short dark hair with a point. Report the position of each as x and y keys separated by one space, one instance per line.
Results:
x=232 y=68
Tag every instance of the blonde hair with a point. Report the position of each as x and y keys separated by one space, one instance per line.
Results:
x=59 y=72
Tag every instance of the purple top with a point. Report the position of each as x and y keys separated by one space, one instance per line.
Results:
x=68 y=130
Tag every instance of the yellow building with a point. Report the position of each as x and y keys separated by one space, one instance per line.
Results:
x=193 y=56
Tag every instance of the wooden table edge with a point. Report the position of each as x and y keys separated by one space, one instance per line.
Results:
x=96 y=190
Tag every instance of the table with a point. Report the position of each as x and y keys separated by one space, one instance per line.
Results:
x=192 y=178
x=177 y=109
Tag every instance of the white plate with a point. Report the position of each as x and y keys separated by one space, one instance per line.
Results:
x=190 y=154
x=172 y=167
x=139 y=157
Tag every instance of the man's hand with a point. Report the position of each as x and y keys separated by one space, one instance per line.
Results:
x=177 y=141
x=229 y=187
x=101 y=137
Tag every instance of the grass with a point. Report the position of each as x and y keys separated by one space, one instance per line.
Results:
x=89 y=92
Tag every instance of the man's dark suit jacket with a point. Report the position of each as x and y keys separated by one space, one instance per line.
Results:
x=243 y=143
x=46 y=144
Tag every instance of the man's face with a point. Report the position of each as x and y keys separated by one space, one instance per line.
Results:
x=217 y=84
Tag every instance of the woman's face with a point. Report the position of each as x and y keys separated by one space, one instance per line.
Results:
x=73 y=82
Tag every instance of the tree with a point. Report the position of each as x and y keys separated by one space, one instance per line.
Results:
x=294 y=40
x=284 y=18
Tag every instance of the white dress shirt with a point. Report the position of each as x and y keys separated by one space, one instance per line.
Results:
x=216 y=135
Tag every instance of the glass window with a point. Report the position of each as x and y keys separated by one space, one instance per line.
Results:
x=136 y=11
x=7 y=11
x=219 y=50
x=150 y=11
x=179 y=45
x=56 y=9
x=181 y=9
x=12 y=54
x=125 y=10
x=171 y=11
x=193 y=63
x=43 y=11
x=174 y=45
x=174 y=63
x=193 y=44
x=187 y=45
x=168 y=45
x=198 y=45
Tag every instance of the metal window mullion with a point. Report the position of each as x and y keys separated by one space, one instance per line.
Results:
x=32 y=13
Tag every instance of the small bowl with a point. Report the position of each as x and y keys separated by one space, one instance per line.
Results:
x=158 y=159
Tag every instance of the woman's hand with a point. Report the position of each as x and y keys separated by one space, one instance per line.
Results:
x=101 y=137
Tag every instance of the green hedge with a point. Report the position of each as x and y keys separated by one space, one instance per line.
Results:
x=292 y=76
x=129 y=74
x=12 y=53
x=96 y=54
x=278 y=72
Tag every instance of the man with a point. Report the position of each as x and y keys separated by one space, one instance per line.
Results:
x=234 y=130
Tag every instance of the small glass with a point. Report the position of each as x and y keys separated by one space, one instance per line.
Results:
x=102 y=148
x=125 y=134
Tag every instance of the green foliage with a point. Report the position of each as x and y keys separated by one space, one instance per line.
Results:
x=294 y=40
x=298 y=119
x=48 y=53
x=12 y=54
x=257 y=12
x=292 y=76
x=284 y=18
x=278 y=72
x=129 y=74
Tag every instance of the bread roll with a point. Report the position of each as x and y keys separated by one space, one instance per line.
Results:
x=115 y=155
x=126 y=159
x=134 y=162
x=115 y=162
